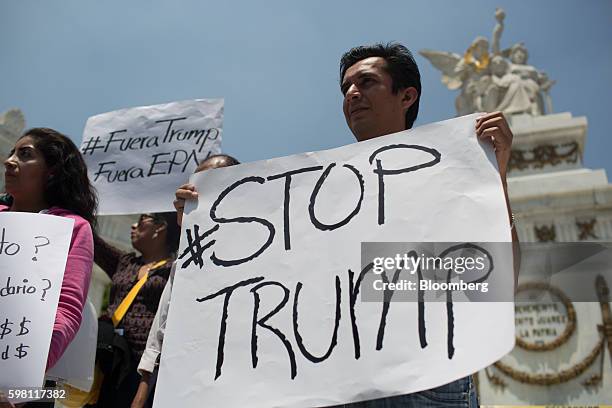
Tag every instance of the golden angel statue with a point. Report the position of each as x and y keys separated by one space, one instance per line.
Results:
x=493 y=80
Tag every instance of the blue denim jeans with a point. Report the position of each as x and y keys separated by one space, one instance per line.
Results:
x=457 y=394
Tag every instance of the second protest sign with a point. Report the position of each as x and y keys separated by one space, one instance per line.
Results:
x=33 y=253
x=137 y=157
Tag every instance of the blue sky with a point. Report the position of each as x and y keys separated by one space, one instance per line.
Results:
x=276 y=62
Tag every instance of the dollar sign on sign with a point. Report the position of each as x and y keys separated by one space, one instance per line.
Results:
x=4 y=329
x=21 y=353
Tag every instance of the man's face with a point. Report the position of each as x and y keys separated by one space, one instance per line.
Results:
x=370 y=107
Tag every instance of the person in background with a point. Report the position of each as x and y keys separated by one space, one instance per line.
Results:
x=155 y=237
x=149 y=362
x=45 y=173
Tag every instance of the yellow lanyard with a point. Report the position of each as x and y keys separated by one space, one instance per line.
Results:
x=129 y=298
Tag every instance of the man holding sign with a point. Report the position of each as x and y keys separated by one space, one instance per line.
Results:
x=273 y=246
x=381 y=85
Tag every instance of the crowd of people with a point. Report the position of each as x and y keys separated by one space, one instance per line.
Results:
x=45 y=173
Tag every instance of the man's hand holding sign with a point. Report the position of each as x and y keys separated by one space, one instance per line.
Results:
x=268 y=292
x=267 y=298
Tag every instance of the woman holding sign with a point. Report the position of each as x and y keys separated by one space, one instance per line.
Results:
x=138 y=281
x=45 y=173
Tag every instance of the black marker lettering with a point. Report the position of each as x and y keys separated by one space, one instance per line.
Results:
x=168 y=136
x=9 y=290
x=298 y=337
x=155 y=162
x=23 y=330
x=387 y=295
x=240 y=220
x=201 y=139
x=450 y=320
x=228 y=293
x=262 y=322
x=450 y=315
x=187 y=157
x=421 y=309
x=313 y=197
x=194 y=245
x=112 y=139
x=353 y=293
x=8 y=248
x=287 y=175
x=102 y=171
x=152 y=142
x=133 y=143
x=5 y=330
x=383 y=172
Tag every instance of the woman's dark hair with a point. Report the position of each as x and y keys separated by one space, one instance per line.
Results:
x=400 y=65
x=68 y=186
x=173 y=231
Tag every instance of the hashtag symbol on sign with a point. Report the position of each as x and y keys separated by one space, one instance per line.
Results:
x=194 y=245
x=91 y=145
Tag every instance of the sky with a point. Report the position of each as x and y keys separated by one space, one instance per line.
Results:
x=276 y=62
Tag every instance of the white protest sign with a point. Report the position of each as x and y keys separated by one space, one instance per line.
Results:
x=76 y=366
x=137 y=157
x=265 y=307
x=33 y=252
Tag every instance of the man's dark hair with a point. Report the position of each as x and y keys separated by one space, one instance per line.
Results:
x=400 y=65
x=229 y=160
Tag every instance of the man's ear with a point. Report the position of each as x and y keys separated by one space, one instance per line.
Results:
x=409 y=96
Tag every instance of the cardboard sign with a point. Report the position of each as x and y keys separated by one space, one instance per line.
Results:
x=33 y=253
x=137 y=157
x=76 y=366
x=266 y=308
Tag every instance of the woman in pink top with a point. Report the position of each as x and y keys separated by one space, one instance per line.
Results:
x=45 y=173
